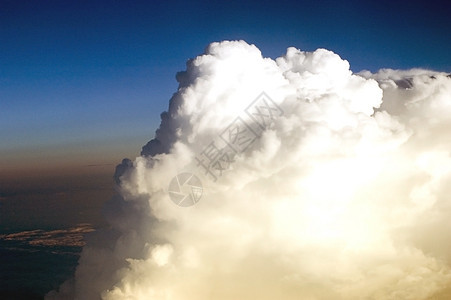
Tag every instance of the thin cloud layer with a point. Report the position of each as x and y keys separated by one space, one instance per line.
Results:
x=327 y=185
x=72 y=237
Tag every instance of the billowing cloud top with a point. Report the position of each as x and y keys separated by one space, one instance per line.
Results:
x=311 y=182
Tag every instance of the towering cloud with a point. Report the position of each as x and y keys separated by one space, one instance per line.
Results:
x=282 y=179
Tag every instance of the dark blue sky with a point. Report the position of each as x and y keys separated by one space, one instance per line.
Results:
x=85 y=81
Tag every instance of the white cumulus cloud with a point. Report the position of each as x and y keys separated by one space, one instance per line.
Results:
x=332 y=185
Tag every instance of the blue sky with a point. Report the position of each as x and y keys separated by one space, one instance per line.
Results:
x=84 y=82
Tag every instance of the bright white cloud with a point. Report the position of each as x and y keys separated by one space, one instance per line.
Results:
x=343 y=194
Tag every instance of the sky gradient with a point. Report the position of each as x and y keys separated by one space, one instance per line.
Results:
x=83 y=83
